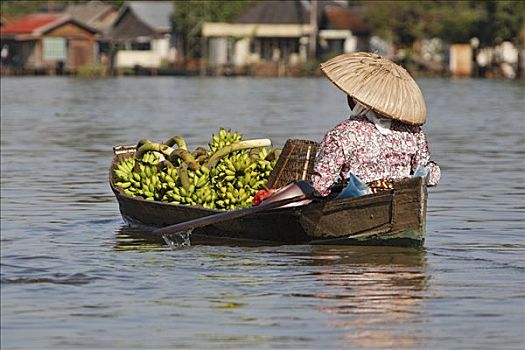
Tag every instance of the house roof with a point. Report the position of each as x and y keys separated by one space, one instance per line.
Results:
x=276 y=12
x=285 y=11
x=6 y=19
x=155 y=14
x=39 y=23
x=28 y=24
x=94 y=13
x=351 y=18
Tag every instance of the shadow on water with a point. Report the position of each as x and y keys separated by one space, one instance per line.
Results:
x=130 y=238
x=141 y=238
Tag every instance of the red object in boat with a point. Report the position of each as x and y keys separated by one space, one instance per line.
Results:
x=261 y=195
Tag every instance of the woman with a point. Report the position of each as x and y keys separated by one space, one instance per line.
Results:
x=382 y=139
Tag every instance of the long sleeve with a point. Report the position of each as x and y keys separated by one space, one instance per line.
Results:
x=328 y=163
x=422 y=157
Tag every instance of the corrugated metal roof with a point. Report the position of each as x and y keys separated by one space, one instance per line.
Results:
x=276 y=12
x=88 y=12
x=28 y=24
x=94 y=13
x=156 y=14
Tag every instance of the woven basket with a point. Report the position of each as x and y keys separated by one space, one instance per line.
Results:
x=296 y=162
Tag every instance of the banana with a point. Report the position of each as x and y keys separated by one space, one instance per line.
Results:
x=224 y=176
x=230 y=165
x=121 y=175
x=202 y=181
x=122 y=167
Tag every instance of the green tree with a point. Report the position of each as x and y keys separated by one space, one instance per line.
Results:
x=17 y=8
x=457 y=21
x=501 y=20
x=399 y=22
x=405 y=22
x=20 y=8
x=191 y=14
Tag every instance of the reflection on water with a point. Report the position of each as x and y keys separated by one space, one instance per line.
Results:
x=372 y=295
x=374 y=291
x=130 y=238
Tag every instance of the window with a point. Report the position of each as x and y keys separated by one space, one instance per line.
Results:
x=141 y=46
x=254 y=44
x=55 y=49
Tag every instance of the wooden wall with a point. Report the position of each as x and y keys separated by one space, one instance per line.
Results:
x=81 y=44
x=461 y=60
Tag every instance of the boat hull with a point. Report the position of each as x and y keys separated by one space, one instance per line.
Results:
x=392 y=217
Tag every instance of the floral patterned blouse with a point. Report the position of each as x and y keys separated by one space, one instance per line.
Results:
x=356 y=146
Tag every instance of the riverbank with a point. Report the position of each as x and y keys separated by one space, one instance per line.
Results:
x=310 y=69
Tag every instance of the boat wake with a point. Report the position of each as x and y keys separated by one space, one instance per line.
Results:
x=178 y=240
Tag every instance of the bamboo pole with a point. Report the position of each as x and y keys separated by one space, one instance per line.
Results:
x=313 y=29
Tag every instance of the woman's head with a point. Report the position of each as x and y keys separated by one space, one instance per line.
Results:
x=379 y=84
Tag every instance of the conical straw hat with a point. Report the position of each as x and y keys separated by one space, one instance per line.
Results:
x=378 y=83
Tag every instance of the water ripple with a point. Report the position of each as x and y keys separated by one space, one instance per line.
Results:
x=74 y=276
x=77 y=279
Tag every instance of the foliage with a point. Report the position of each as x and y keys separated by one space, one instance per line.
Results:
x=404 y=22
x=20 y=8
x=457 y=22
x=309 y=68
x=191 y=14
x=17 y=8
x=502 y=20
x=92 y=71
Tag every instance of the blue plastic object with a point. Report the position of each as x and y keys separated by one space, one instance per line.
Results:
x=421 y=171
x=355 y=188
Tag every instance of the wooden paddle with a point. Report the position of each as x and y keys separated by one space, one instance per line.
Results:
x=307 y=192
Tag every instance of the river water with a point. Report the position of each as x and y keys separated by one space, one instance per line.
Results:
x=73 y=276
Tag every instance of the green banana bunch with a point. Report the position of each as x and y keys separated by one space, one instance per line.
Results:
x=224 y=138
x=224 y=177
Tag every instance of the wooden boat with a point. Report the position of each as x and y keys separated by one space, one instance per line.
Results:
x=392 y=217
